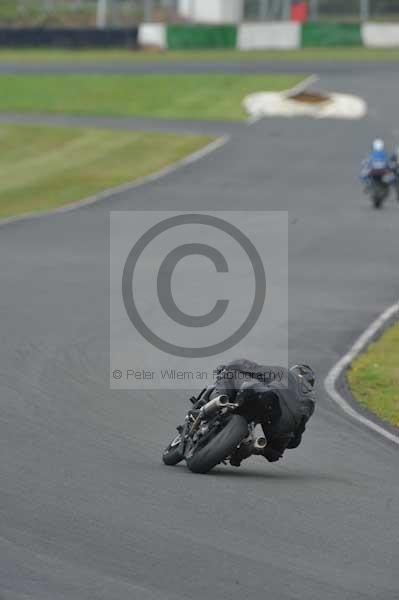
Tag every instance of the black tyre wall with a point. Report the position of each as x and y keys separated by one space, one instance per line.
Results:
x=220 y=447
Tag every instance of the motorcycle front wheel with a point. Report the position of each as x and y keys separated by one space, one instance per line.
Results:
x=219 y=447
x=172 y=455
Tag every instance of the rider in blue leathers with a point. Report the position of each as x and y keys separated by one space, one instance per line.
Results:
x=377 y=160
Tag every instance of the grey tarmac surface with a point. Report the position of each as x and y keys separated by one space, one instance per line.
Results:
x=196 y=66
x=87 y=509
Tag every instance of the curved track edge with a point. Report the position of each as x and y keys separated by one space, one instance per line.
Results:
x=330 y=382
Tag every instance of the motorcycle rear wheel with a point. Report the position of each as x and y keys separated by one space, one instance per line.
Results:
x=219 y=447
x=377 y=202
x=379 y=195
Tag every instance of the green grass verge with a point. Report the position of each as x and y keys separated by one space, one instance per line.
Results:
x=44 y=167
x=164 y=96
x=374 y=376
x=313 y=54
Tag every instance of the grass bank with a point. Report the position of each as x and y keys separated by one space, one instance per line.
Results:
x=165 y=96
x=374 y=376
x=45 y=167
x=129 y=56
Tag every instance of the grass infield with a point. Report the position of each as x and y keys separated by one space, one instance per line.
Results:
x=304 y=54
x=213 y=96
x=45 y=167
x=374 y=376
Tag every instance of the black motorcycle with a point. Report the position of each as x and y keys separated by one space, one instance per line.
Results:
x=379 y=183
x=212 y=431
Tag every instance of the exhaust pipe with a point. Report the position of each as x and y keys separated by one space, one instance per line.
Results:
x=212 y=407
x=260 y=443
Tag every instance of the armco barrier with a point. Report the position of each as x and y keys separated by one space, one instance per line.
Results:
x=68 y=38
x=201 y=36
x=255 y=36
x=152 y=34
x=331 y=34
x=380 y=35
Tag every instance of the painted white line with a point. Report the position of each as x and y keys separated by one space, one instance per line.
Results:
x=302 y=86
x=344 y=362
x=254 y=119
x=125 y=187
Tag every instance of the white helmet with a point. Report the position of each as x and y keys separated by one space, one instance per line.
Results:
x=378 y=145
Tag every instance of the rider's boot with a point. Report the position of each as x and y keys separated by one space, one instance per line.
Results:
x=247 y=449
x=244 y=451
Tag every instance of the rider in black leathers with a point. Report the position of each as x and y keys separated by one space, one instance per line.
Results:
x=282 y=401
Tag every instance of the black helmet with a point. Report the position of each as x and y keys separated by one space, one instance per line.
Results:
x=305 y=377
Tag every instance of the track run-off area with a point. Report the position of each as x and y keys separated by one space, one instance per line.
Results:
x=87 y=508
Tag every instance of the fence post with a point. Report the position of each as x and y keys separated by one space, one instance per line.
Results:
x=49 y=6
x=102 y=10
x=314 y=9
x=148 y=10
x=364 y=10
x=263 y=10
x=286 y=10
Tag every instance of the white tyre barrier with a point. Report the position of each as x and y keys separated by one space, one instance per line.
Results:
x=258 y=36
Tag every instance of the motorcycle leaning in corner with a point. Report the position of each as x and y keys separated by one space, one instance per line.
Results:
x=211 y=433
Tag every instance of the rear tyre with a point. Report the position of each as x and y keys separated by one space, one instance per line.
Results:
x=379 y=195
x=220 y=447
x=172 y=454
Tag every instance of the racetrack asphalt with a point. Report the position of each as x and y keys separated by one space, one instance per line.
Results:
x=87 y=509
x=196 y=66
